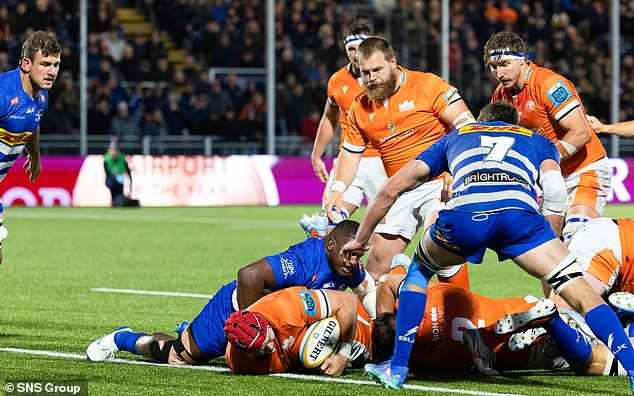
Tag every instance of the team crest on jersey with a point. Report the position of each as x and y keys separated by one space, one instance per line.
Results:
x=344 y=89
x=14 y=101
x=449 y=93
x=309 y=303
x=407 y=105
x=391 y=127
x=42 y=98
x=558 y=93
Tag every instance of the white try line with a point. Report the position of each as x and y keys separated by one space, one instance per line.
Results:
x=284 y=375
x=151 y=292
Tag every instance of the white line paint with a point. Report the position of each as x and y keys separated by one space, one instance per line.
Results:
x=151 y=292
x=284 y=375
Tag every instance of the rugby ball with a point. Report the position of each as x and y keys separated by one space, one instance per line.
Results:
x=319 y=342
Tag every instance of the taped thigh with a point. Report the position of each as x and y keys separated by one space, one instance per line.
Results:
x=564 y=273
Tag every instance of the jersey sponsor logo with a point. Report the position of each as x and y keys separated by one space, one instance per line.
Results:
x=371 y=115
x=310 y=307
x=449 y=93
x=438 y=326
x=493 y=176
x=329 y=285
x=14 y=101
x=288 y=268
x=39 y=114
x=492 y=128
x=558 y=93
x=403 y=78
x=407 y=105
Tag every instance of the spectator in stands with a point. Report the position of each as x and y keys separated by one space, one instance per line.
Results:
x=99 y=117
x=253 y=117
x=123 y=126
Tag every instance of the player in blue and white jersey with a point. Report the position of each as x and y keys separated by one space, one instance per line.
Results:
x=314 y=264
x=495 y=165
x=23 y=102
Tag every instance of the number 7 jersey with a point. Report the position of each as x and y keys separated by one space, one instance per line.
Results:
x=494 y=165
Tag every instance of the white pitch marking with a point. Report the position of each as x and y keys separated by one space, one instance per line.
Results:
x=151 y=292
x=283 y=375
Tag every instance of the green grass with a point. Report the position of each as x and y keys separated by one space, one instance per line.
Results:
x=53 y=257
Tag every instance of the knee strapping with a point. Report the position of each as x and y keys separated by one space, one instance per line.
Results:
x=161 y=354
x=425 y=262
x=573 y=223
x=561 y=276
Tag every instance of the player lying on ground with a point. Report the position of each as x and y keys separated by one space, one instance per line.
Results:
x=266 y=338
x=313 y=263
x=458 y=332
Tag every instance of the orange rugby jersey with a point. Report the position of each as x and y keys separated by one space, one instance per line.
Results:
x=343 y=87
x=449 y=310
x=405 y=124
x=546 y=98
x=290 y=311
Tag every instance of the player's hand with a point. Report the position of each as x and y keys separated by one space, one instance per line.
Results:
x=334 y=365
x=353 y=250
x=320 y=169
x=335 y=200
x=33 y=167
x=595 y=123
x=447 y=188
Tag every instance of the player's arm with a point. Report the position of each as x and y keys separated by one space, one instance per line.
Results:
x=624 y=129
x=344 y=306
x=33 y=164
x=325 y=134
x=387 y=292
x=410 y=176
x=344 y=173
x=252 y=280
x=457 y=114
x=553 y=204
x=577 y=133
x=366 y=292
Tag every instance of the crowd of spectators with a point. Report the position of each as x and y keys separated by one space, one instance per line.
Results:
x=135 y=89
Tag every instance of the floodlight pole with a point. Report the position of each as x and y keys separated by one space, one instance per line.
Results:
x=270 y=76
x=615 y=103
x=83 y=78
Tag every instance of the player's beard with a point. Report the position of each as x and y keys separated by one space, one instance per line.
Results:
x=378 y=92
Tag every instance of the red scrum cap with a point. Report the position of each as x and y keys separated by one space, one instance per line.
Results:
x=246 y=330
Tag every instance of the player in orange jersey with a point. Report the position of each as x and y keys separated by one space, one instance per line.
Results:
x=343 y=86
x=400 y=113
x=457 y=333
x=550 y=105
x=266 y=337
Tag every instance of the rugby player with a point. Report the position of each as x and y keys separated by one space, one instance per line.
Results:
x=23 y=102
x=400 y=113
x=549 y=105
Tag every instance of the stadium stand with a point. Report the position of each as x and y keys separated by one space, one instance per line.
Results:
x=188 y=69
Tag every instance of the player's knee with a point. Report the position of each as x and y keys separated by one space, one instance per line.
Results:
x=564 y=274
x=160 y=353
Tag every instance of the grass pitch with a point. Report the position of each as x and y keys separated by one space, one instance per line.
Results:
x=54 y=257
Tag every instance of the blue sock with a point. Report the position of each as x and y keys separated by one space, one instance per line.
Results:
x=411 y=309
x=606 y=326
x=571 y=343
x=125 y=340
